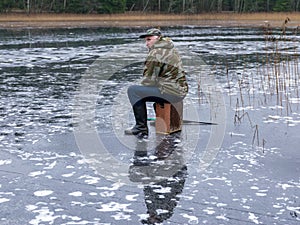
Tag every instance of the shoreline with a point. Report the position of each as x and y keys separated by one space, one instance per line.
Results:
x=24 y=21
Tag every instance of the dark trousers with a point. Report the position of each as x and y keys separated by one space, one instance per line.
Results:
x=139 y=94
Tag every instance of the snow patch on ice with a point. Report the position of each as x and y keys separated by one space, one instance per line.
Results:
x=90 y=179
x=294 y=209
x=68 y=174
x=51 y=166
x=107 y=193
x=285 y=186
x=2 y=200
x=76 y=193
x=253 y=218
x=209 y=211
x=36 y=173
x=237 y=134
x=5 y=162
x=191 y=219
x=44 y=216
x=221 y=204
x=93 y=194
x=31 y=207
x=121 y=216
x=114 y=206
x=131 y=197
x=116 y=186
x=222 y=217
x=42 y=193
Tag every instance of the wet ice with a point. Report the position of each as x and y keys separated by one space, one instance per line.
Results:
x=39 y=79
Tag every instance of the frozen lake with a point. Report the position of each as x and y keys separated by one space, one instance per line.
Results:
x=64 y=158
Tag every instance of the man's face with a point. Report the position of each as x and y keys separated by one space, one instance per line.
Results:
x=150 y=41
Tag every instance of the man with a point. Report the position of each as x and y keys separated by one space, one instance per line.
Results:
x=163 y=80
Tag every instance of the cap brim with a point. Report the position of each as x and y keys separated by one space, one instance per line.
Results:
x=146 y=35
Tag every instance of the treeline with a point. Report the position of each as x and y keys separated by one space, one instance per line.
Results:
x=157 y=6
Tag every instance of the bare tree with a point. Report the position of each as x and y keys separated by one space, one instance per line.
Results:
x=220 y=4
x=158 y=5
x=146 y=5
x=239 y=5
x=28 y=6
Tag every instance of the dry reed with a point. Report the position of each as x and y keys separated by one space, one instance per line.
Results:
x=143 y=19
x=277 y=77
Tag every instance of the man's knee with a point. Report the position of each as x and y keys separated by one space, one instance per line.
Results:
x=135 y=90
x=131 y=89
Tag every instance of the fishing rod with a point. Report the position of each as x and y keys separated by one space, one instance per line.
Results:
x=190 y=122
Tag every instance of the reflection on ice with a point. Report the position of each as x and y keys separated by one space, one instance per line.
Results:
x=163 y=177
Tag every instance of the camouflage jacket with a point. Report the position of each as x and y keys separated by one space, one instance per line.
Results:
x=163 y=68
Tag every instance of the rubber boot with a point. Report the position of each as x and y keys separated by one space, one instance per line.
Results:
x=140 y=129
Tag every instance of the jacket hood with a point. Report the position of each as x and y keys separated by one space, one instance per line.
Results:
x=164 y=43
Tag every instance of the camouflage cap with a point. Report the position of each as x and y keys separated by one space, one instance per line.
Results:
x=152 y=32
